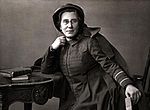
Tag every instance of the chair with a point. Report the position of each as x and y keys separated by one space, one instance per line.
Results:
x=146 y=78
x=143 y=82
x=37 y=65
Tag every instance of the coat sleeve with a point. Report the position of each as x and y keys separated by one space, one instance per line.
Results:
x=50 y=62
x=105 y=57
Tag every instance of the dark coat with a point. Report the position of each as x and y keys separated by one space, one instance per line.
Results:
x=93 y=70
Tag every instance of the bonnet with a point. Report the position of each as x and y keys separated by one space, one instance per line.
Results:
x=64 y=7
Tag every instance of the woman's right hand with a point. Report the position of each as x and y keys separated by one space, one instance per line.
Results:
x=58 y=42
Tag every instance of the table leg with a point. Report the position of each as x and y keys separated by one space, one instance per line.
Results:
x=27 y=106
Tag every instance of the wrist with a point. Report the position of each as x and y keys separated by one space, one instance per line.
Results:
x=51 y=48
x=128 y=85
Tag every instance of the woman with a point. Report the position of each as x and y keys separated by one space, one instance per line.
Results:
x=91 y=68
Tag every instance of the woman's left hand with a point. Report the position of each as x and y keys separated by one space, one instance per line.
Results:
x=132 y=92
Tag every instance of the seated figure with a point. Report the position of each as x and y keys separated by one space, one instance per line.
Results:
x=93 y=70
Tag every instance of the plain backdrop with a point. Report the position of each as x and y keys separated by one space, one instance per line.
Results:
x=26 y=31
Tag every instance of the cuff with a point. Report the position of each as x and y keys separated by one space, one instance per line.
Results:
x=126 y=81
x=51 y=49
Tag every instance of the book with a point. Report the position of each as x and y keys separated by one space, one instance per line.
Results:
x=14 y=72
x=22 y=77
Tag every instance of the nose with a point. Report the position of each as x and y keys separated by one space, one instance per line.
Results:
x=70 y=24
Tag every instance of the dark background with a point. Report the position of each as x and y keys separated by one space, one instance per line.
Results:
x=26 y=31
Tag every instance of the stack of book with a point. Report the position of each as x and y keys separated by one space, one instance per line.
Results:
x=18 y=73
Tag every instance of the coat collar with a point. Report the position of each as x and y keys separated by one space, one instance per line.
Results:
x=91 y=31
x=87 y=32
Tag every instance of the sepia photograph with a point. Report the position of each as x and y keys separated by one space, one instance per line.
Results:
x=74 y=55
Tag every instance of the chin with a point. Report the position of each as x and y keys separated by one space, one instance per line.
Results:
x=70 y=36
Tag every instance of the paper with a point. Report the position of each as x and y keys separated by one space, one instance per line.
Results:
x=128 y=103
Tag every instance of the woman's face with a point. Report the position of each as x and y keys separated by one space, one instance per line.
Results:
x=69 y=24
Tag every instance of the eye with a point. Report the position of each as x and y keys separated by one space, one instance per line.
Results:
x=65 y=21
x=74 y=20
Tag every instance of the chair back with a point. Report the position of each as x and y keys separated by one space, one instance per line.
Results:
x=146 y=77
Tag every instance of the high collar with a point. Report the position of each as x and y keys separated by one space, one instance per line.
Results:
x=91 y=31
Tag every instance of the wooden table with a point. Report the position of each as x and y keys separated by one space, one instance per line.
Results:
x=38 y=89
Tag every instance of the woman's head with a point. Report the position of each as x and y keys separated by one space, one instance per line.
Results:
x=69 y=23
x=69 y=19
